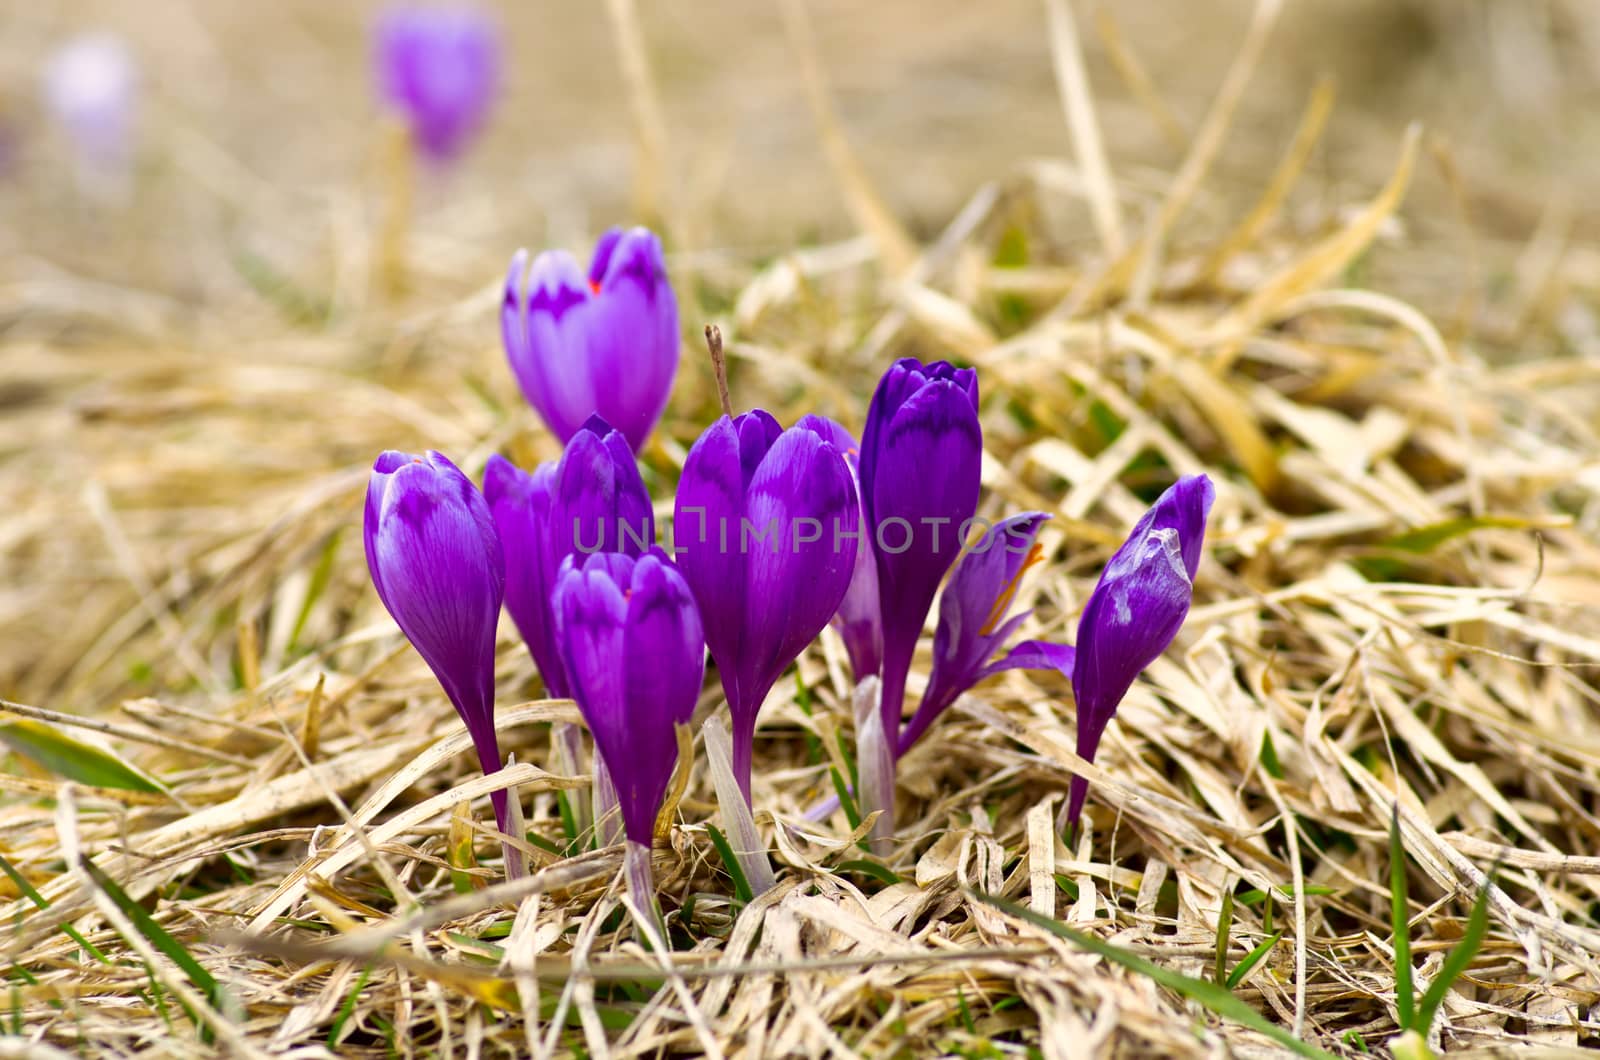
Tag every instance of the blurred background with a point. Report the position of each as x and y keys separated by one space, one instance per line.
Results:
x=199 y=359
x=257 y=131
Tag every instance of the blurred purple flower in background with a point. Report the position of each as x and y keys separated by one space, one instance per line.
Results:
x=1136 y=609
x=439 y=67
x=604 y=343
x=973 y=622
x=920 y=457
x=91 y=91
x=766 y=523
x=634 y=651
x=436 y=562
x=593 y=500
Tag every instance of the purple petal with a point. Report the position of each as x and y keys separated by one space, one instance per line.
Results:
x=857 y=619
x=520 y=504
x=802 y=507
x=1035 y=655
x=632 y=336
x=602 y=255
x=706 y=530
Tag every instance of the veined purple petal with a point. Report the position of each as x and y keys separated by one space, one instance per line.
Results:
x=973 y=623
x=633 y=647
x=439 y=67
x=521 y=505
x=706 y=531
x=605 y=343
x=1136 y=609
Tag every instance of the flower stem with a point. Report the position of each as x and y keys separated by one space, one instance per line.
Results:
x=566 y=745
x=748 y=849
x=874 y=764
x=642 y=885
x=607 y=821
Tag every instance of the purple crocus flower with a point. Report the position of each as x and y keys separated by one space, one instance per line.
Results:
x=437 y=565
x=593 y=500
x=634 y=651
x=920 y=457
x=1134 y=612
x=973 y=623
x=606 y=343
x=439 y=67
x=767 y=523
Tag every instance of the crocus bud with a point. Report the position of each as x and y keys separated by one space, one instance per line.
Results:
x=974 y=622
x=635 y=654
x=605 y=343
x=439 y=68
x=767 y=522
x=857 y=620
x=437 y=565
x=90 y=88
x=920 y=457
x=1134 y=612
x=593 y=500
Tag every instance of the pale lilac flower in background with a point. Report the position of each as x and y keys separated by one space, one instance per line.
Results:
x=439 y=68
x=91 y=87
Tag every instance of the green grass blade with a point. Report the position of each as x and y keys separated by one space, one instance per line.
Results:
x=32 y=895
x=846 y=803
x=158 y=937
x=741 y=886
x=1457 y=963
x=1404 y=997
x=1219 y=971
x=348 y=1009
x=867 y=867
x=1251 y=959
x=1213 y=996
x=73 y=759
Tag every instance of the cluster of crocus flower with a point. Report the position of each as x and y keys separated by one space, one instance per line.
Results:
x=779 y=533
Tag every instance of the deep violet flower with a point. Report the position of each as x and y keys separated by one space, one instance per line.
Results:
x=604 y=343
x=1134 y=612
x=634 y=651
x=973 y=623
x=439 y=68
x=920 y=456
x=436 y=562
x=592 y=500
x=767 y=522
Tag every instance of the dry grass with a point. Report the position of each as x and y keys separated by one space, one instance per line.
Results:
x=1394 y=609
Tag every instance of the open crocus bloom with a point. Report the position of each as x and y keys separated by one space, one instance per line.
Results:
x=439 y=68
x=974 y=623
x=604 y=343
x=1136 y=609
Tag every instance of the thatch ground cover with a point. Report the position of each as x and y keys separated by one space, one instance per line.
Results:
x=1394 y=617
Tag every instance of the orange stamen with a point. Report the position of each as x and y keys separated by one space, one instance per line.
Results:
x=1008 y=592
x=594 y=286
